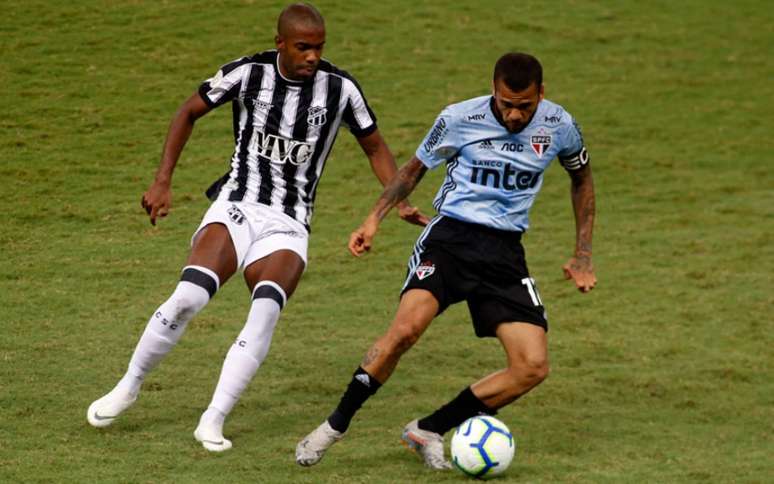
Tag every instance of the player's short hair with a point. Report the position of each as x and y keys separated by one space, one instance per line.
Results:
x=518 y=71
x=299 y=13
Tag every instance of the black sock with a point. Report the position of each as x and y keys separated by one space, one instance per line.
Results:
x=464 y=406
x=360 y=388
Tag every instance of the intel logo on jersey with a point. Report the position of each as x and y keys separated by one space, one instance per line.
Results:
x=501 y=174
x=279 y=149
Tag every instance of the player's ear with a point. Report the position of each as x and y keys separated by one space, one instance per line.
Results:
x=278 y=41
x=542 y=92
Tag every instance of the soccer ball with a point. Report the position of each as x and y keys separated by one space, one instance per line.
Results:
x=482 y=447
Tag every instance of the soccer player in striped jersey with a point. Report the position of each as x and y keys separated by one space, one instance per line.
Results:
x=496 y=149
x=287 y=107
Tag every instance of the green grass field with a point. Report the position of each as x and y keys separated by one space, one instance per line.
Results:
x=662 y=374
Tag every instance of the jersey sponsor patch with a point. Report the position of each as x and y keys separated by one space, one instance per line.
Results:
x=279 y=149
x=540 y=142
x=436 y=135
x=425 y=269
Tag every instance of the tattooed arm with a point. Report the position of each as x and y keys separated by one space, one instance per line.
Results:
x=579 y=267
x=383 y=166
x=401 y=185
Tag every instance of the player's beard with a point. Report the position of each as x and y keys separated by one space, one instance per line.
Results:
x=306 y=71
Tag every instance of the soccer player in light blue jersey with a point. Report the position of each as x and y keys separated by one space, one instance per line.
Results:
x=496 y=149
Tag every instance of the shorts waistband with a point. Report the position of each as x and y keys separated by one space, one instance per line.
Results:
x=509 y=235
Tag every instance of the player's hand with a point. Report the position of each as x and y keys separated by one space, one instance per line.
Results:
x=412 y=215
x=580 y=270
x=360 y=240
x=157 y=200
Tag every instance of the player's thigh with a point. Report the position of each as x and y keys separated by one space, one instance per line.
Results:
x=525 y=344
x=283 y=267
x=213 y=248
x=417 y=309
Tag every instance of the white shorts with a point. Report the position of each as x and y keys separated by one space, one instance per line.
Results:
x=256 y=230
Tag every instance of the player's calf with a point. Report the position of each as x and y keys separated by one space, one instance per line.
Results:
x=242 y=362
x=164 y=329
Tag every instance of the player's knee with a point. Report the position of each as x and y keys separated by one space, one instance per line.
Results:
x=402 y=337
x=197 y=285
x=532 y=370
x=187 y=306
x=536 y=369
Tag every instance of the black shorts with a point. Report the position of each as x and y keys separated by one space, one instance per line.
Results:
x=484 y=266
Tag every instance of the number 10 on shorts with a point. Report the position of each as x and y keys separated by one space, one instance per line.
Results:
x=532 y=289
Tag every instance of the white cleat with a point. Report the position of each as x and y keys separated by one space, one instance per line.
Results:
x=104 y=411
x=312 y=448
x=211 y=438
x=428 y=445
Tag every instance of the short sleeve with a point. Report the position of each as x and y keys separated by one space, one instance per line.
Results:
x=573 y=155
x=357 y=113
x=225 y=85
x=440 y=143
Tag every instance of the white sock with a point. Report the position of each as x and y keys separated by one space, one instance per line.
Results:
x=213 y=417
x=250 y=349
x=164 y=329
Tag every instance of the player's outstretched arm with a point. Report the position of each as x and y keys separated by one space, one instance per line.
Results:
x=383 y=165
x=158 y=198
x=579 y=268
x=401 y=185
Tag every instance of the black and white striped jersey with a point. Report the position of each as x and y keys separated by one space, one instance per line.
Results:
x=283 y=130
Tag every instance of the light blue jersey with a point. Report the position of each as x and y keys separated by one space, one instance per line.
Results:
x=492 y=175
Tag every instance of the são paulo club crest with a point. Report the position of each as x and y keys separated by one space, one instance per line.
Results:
x=540 y=142
x=424 y=270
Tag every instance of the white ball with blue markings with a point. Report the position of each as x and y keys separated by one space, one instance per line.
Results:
x=482 y=447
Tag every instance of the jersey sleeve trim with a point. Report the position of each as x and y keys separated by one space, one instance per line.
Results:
x=225 y=84
x=362 y=133
x=357 y=114
x=421 y=157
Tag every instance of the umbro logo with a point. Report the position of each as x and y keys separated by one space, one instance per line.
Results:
x=262 y=105
x=486 y=145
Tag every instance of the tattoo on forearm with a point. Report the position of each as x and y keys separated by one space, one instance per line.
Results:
x=400 y=187
x=584 y=207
